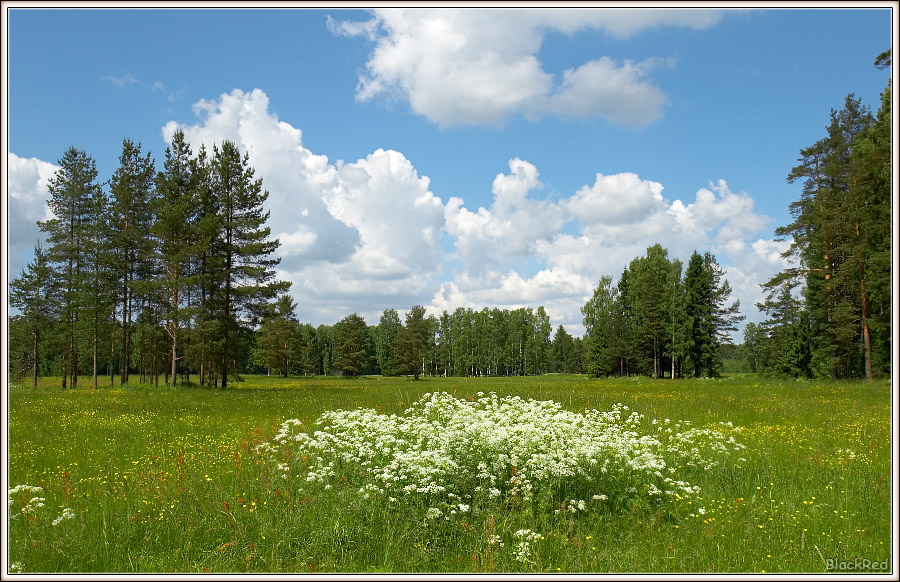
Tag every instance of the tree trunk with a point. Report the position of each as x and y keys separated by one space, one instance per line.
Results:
x=95 y=358
x=867 y=340
x=34 y=359
x=173 y=360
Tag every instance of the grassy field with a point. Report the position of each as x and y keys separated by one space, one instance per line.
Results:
x=146 y=479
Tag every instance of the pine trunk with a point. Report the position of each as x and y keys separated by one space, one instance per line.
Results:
x=34 y=359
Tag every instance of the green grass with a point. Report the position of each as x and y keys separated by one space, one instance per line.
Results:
x=165 y=480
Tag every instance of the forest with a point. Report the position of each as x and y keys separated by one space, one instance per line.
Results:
x=170 y=276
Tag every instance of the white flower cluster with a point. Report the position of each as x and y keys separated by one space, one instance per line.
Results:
x=67 y=513
x=698 y=447
x=24 y=492
x=455 y=453
x=525 y=538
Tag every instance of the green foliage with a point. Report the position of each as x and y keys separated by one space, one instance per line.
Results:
x=35 y=296
x=653 y=321
x=351 y=354
x=389 y=326
x=411 y=342
x=74 y=193
x=840 y=245
x=280 y=341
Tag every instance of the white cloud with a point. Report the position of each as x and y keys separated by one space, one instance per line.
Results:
x=618 y=199
x=355 y=236
x=600 y=88
x=365 y=236
x=466 y=66
x=27 y=180
x=618 y=217
x=398 y=219
x=297 y=180
x=510 y=228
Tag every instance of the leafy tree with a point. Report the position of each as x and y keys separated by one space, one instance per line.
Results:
x=389 y=326
x=677 y=322
x=600 y=314
x=539 y=344
x=351 y=349
x=324 y=347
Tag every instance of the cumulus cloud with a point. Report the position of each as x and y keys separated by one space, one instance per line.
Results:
x=510 y=228
x=470 y=67
x=296 y=179
x=617 y=218
x=618 y=199
x=353 y=235
x=27 y=180
x=366 y=235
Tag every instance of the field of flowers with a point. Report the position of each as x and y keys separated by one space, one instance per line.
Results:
x=458 y=475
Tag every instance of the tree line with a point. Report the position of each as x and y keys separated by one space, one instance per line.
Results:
x=467 y=342
x=149 y=273
x=829 y=314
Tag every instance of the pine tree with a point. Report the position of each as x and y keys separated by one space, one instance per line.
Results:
x=839 y=236
x=246 y=278
x=99 y=295
x=130 y=217
x=177 y=209
x=72 y=189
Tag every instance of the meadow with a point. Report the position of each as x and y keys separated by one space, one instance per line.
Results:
x=730 y=475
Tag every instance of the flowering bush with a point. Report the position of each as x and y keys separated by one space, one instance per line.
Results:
x=458 y=456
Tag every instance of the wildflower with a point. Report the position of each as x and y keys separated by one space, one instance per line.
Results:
x=67 y=513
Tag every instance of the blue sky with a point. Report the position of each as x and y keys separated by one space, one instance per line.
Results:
x=450 y=157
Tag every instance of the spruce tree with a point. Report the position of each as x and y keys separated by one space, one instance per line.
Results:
x=279 y=335
x=32 y=293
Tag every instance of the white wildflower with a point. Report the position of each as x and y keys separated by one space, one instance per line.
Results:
x=67 y=513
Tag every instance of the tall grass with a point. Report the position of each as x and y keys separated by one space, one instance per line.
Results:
x=163 y=480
